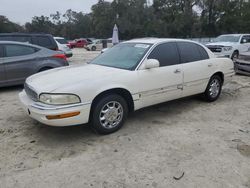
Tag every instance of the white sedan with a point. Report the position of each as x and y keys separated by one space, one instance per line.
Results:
x=130 y=76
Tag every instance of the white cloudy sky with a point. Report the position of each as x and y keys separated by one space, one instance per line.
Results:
x=21 y=11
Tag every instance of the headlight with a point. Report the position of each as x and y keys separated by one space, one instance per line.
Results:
x=227 y=48
x=59 y=99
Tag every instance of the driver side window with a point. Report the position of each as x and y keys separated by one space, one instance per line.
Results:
x=167 y=54
x=245 y=39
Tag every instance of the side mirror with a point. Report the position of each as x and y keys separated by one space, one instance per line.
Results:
x=244 y=41
x=151 y=63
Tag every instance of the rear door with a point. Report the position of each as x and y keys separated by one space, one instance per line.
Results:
x=18 y=61
x=2 y=68
x=197 y=67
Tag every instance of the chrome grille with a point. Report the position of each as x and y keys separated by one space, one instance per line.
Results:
x=215 y=48
x=30 y=92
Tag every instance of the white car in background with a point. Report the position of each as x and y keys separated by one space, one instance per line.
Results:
x=129 y=76
x=97 y=45
x=63 y=46
x=230 y=45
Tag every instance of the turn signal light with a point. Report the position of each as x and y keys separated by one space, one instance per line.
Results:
x=62 y=116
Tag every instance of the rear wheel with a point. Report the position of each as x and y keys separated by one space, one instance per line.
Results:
x=214 y=88
x=109 y=114
x=93 y=48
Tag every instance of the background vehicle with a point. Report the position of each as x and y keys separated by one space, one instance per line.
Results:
x=44 y=40
x=97 y=45
x=72 y=43
x=242 y=63
x=20 y=60
x=81 y=43
x=63 y=45
x=127 y=77
x=230 y=45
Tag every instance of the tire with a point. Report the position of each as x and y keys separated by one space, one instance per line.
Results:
x=93 y=48
x=235 y=55
x=214 y=88
x=109 y=114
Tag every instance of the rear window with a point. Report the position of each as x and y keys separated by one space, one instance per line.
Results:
x=13 y=50
x=203 y=52
x=191 y=52
x=44 y=41
x=62 y=41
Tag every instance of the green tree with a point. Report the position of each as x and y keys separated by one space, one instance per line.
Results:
x=7 y=26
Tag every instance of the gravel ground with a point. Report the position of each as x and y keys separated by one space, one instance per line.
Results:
x=208 y=142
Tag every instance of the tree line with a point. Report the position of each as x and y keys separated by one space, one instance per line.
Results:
x=143 y=18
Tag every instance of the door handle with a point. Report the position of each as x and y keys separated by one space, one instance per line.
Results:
x=177 y=71
x=210 y=65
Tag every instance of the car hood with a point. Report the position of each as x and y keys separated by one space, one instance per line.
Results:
x=54 y=79
x=221 y=44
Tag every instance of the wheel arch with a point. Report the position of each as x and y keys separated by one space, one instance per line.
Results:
x=119 y=91
x=220 y=74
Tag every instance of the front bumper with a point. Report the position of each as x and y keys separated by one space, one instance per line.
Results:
x=223 y=55
x=39 y=111
x=242 y=67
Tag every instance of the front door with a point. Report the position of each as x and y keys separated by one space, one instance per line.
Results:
x=164 y=83
x=245 y=43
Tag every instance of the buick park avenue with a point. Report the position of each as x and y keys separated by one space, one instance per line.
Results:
x=130 y=76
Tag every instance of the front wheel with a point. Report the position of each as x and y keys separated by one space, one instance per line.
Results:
x=214 y=88
x=109 y=114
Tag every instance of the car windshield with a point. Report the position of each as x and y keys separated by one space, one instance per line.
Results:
x=228 y=38
x=62 y=41
x=123 y=56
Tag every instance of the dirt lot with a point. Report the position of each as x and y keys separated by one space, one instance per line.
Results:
x=210 y=143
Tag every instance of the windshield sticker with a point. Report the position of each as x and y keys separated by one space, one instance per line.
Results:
x=141 y=46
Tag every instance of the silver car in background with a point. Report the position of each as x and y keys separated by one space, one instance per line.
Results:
x=20 y=60
x=63 y=46
x=242 y=63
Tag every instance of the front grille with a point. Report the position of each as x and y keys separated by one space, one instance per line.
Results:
x=215 y=49
x=30 y=92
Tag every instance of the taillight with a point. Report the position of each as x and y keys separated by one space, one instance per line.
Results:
x=60 y=56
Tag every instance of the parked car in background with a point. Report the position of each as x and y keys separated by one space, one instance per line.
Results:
x=129 y=76
x=72 y=43
x=98 y=45
x=230 y=45
x=44 y=40
x=242 y=63
x=81 y=43
x=63 y=45
x=19 y=60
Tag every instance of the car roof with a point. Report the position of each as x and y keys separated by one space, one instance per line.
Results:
x=238 y=34
x=21 y=43
x=25 y=34
x=158 y=40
